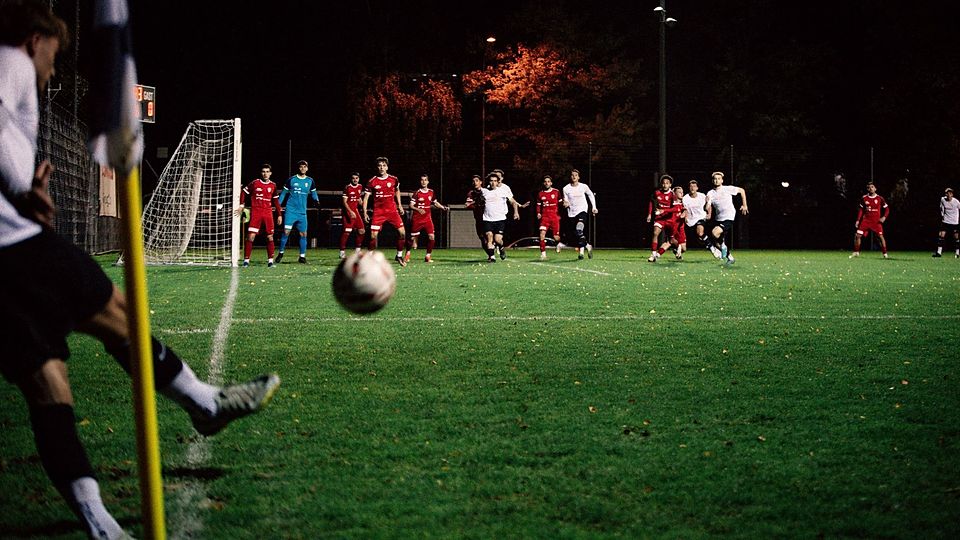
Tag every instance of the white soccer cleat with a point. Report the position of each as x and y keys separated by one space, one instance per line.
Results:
x=653 y=257
x=730 y=259
x=342 y=254
x=589 y=251
x=543 y=255
x=854 y=254
x=715 y=251
x=237 y=401
x=886 y=255
x=560 y=245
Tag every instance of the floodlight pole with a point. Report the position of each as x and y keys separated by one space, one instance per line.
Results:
x=483 y=111
x=662 y=163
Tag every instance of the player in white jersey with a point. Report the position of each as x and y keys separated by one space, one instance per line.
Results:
x=722 y=211
x=496 y=197
x=575 y=199
x=695 y=204
x=949 y=222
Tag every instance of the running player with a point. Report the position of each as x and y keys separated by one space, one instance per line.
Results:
x=386 y=206
x=681 y=216
x=873 y=212
x=663 y=213
x=721 y=209
x=949 y=222
x=476 y=202
x=548 y=201
x=575 y=197
x=421 y=202
x=295 y=193
x=352 y=194
x=694 y=203
x=495 y=210
x=263 y=197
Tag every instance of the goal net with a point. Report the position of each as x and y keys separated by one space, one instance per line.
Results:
x=189 y=218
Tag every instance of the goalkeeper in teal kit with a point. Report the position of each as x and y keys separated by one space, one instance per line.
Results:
x=295 y=193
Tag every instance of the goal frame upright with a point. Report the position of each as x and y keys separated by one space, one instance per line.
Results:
x=237 y=161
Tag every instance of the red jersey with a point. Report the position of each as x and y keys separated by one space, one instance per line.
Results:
x=547 y=202
x=423 y=200
x=665 y=202
x=384 y=194
x=353 y=194
x=872 y=209
x=263 y=195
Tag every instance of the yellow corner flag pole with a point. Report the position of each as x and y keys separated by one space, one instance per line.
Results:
x=141 y=354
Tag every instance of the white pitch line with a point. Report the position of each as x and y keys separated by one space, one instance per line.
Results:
x=578 y=269
x=650 y=317
x=188 y=500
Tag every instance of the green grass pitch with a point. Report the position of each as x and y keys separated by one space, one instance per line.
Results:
x=793 y=394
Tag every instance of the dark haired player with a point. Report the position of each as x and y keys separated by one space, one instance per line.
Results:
x=385 y=189
x=873 y=212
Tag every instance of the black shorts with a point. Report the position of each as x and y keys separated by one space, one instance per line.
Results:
x=949 y=228
x=49 y=287
x=725 y=225
x=495 y=227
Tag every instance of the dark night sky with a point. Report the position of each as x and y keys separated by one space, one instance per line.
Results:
x=284 y=66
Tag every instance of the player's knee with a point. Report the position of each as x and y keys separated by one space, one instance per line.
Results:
x=48 y=385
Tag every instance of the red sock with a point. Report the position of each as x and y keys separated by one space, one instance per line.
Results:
x=653 y=245
x=660 y=250
x=343 y=240
x=373 y=243
x=359 y=240
x=543 y=245
x=430 y=244
x=400 y=243
x=247 y=249
x=270 y=249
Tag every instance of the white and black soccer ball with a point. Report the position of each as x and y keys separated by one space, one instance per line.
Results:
x=364 y=282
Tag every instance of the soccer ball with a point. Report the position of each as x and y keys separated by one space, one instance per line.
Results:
x=364 y=282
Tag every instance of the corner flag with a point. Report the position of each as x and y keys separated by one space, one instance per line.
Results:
x=116 y=140
x=116 y=136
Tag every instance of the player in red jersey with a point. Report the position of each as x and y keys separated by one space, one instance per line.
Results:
x=352 y=195
x=681 y=217
x=663 y=210
x=873 y=212
x=386 y=206
x=263 y=196
x=548 y=202
x=421 y=202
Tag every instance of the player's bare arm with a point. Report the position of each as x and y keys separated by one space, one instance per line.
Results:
x=37 y=204
x=743 y=207
x=366 y=196
x=346 y=206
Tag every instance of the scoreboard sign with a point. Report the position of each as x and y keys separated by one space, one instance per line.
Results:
x=147 y=98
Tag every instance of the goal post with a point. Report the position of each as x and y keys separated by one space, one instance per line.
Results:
x=190 y=216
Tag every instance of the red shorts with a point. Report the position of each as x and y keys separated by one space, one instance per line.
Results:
x=391 y=217
x=260 y=219
x=355 y=223
x=550 y=222
x=421 y=223
x=867 y=226
x=681 y=232
x=669 y=228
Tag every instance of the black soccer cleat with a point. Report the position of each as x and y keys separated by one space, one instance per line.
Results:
x=302 y=260
x=278 y=258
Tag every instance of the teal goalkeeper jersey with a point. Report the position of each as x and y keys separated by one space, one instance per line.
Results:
x=295 y=193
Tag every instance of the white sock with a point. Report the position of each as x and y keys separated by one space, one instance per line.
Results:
x=99 y=522
x=940 y=249
x=191 y=393
x=399 y=254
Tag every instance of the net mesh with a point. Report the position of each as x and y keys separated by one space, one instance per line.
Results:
x=189 y=218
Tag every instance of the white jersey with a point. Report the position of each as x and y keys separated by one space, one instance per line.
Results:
x=577 y=197
x=722 y=200
x=950 y=210
x=495 y=208
x=19 y=121
x=695 y=207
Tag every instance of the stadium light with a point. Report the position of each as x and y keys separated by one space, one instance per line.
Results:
x=491 y=39
x=665 y=22
x=785 y=184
